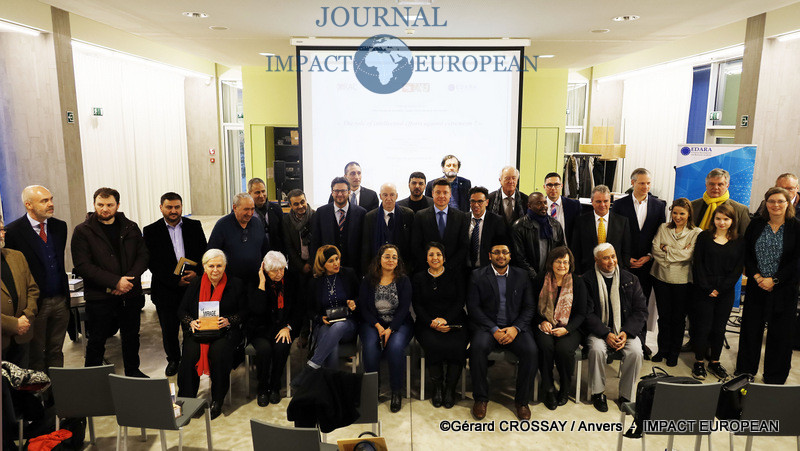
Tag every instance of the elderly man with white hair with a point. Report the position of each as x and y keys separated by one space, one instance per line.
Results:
x=388 y=224
x=615 y=315
x=507 y=201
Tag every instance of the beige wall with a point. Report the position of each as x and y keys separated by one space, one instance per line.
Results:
x=202 y=133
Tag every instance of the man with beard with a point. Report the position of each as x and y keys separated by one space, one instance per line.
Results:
x=340 y=224
x=269 y=213
x=417 y=200
x=168 y=240
x=535 y=235
x=297 y=237
x=459 y=186
x=110 y=255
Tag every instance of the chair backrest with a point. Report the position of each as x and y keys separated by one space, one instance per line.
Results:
x=689 y=402
x=368 y=407
x=776 y=403
x=142 y=403
x=268 y=437
x=82 y=392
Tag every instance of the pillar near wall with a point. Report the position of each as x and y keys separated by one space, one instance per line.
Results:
x=751 y=68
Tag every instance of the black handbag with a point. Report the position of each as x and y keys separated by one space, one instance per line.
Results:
x=207 y=336
x=337 y=313
x=729 y=406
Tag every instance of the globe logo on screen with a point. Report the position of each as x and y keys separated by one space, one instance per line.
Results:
x=685 y=151
x=383 y=64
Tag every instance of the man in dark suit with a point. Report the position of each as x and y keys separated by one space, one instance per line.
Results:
x=507 y=201
x=444 y=224
x=500 y=309
x=270 y=214
x=168 y=240
x=600 y=226
x=535 y=235
x=42 y=239
x=485 y=228
x=459 y=186
x=389 y=224
x=645 y=213
x=717 y=183
x=359 y=195
x=340 y=224
x=417 y=200
x=562 y=208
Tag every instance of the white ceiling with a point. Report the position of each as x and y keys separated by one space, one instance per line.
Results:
x=559 y=27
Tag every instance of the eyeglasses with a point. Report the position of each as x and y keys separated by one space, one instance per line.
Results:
x=776 y=202
x=244 y=236
x=2 y=229
x=505 y=252
x=472 y=201
x=553 y=185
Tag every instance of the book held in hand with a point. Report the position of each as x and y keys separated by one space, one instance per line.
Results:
x=183 y=265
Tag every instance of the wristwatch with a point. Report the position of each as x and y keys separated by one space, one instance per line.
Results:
x=775 y=280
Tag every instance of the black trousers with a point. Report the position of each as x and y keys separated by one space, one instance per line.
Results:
x=708 y=318
x=220 y=363
x=559 y=351
x=103 y=317
x=523 y=347
x=646 y=281
x=270 y=362
x=760 y=309
x=167 y=309
x=671 y=301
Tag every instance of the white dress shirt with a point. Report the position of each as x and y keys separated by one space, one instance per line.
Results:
x=641 y=209
x=597 y=222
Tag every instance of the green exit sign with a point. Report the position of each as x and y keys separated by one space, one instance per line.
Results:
x=97 y=111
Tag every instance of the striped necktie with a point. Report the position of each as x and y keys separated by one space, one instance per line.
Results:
x=342 y=217
x=554 y=209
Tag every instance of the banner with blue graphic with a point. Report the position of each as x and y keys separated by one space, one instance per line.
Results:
x=696 y=161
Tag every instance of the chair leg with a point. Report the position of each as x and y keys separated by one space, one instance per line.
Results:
x=125 y=438
x=247 y=375
x=408 y=376
x=144 y=434
x=208 y=430
x=229 y=395
x=536 y=386
x=698 y=442
x=288 y=379
x=323 y=437
x=619 y=437
x=119 y=436
x=578 y=365
x=749 y=444
x=21 y=436
x=670 y=442
x=180 y=439
x=92 y=437
x=643 y=437
x=58 y=423
x=422 y=378
x=163 y=440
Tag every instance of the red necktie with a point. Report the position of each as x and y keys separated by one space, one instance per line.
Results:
x=42 y=235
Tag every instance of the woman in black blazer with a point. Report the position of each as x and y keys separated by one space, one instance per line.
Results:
x=272 y=324
x=772 y=248
x=560 y=297
x=210 y=351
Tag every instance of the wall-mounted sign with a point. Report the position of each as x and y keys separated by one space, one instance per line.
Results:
x=745 y=120
x=212 y=151
x=97 y=111
x=70 y=117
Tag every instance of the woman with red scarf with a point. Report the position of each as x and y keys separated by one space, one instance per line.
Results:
x=209 y=349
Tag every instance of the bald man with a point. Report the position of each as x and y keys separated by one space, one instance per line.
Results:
x=388 y=224
x=42 y=239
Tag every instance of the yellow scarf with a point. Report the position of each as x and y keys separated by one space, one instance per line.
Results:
x=713 y=203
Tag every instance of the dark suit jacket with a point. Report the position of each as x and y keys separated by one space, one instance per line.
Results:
x=784 y=294
x=325 y=230
x=483 y=299
x=494 y=228
x=273 y=225
x=495 y=205
x=407 y=202
x=464 y=185
x=584 y=239
x=456 y=243
x=369 y=237
x=642 y=240
x=368 y=199
x=21 y=236
x=742 y=213
x=572 y=210
x=27 y=296
x=162 y=261
x=632 y=304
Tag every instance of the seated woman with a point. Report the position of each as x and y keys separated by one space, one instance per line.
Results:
x=438 y=298
x=384 y=304
x=210 y=351
x=272 y=325
x=561 y=308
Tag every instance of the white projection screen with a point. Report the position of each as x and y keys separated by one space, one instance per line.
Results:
x=472 y=115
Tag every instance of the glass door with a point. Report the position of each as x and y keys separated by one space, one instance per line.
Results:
x=233 y=158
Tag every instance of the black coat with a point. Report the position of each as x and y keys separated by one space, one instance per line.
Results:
x=572 y=211
x=440 y=297
x=483 y=299
x=526 y=243
x=21 y=236
x=273 y=225
x=456 y=242
x=367 y=199
x=325 y=230
x=407 y=202
x=495 y=205
x=403 y=242
x=584 y=239
x=494 y=230
x=632 y=303
x=232 y=305
x=265 y=319
x=464 y=185
x=641 y=239
x=317 y=300
x=580 y=302
x=328 y=398
x=94 y=259
x=291 y=239
x=162 y=261
x=784 y=293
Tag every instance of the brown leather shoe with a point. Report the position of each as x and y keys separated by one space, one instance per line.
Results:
x=523 y=412
x=479 y=410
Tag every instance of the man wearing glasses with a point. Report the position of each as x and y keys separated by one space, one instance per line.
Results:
x=241 y=236
x=507 y=201
x=562 y=208
x=485 y=228
x=340 y=223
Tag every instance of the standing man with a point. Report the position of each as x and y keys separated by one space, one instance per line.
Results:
x=600 y=226
x=717 y=183
x=507 y=201
x=389 y=224
x=485 y=228
x=615 y=315
x=42 y=239
x=444 y=224
x=417 y=200
x=645 y=213
x=789 y=182
x=562 y=208
x=168 y=240
x=18 y=295
x=459 y=186
x=535 y=235
x=110 y=255
x=340 y=224
x=297 y=227
x=359 y=195
x=500 y=309
x=269 y=213
x=241 y=236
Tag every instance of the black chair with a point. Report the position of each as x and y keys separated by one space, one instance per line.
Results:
x=772 y=403
x=268 y=437
x=368 y=407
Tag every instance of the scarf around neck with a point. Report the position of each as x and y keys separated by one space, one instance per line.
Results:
x=713 y=203
x=556 y=310
x=206 y=295
x=611 y=301
x=545 y=229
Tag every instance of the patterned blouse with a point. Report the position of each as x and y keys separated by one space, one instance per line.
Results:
x=386 y=301
x=769 y=248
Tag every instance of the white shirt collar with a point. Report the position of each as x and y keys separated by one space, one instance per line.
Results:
x=386 y=213
x=636 y=201
x=550 y=202
x=497 y=273
x=472 y=216
x=597 y=217
x=35 y=223
x=446 y=209
x=503 y=193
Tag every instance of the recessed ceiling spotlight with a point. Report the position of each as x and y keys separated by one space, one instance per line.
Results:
x=217 y=28
x=626 y=18
x=195 y=15
x=600 y=30
x=546 y=56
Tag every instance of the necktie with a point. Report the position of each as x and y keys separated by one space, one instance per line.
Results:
x=554 y=209
x=353 y=199
x=341 y=219
x=475 y=241
x=441 y=224
x=390 y=224
x=509 y=210
x=601 y=231
x=42 y=234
